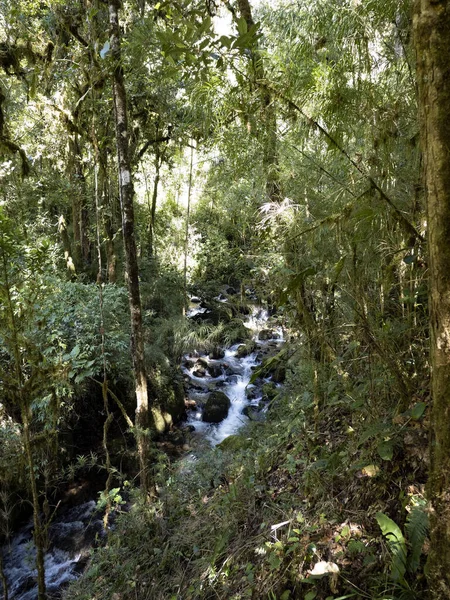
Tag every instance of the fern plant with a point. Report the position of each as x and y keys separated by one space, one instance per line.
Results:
x=416 y=527
x=406 y=556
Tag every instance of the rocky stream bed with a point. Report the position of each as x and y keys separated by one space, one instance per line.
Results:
x=219 y=401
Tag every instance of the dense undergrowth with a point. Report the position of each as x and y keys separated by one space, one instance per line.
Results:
x=320 y=502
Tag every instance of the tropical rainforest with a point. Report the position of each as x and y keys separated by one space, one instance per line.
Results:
x=170 y=171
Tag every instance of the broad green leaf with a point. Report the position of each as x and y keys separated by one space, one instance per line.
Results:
x=418 y=410
x=386 y=450
x=397 y=545
x=242 y=26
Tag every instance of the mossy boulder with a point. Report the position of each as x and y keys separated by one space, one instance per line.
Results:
x=216 y=407
x=233 y=443
x=253 y=414
x=269 y=391
x=279 y=374
x=168 y=393
x=246 y=349
x=265 y=334
x=215 y=370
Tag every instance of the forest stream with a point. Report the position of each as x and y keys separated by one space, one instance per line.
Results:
x=76 y=530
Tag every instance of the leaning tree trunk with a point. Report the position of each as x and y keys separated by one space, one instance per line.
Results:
x=432 y=44
x=126 y=192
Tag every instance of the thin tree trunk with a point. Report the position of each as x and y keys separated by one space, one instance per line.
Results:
x=158 y=162
x=108 y=220
x=432 y=44
x=78 y=184
x=126 y=192
x=38 y=533
x=3 y=577
x=188 y=212
x=270 y=149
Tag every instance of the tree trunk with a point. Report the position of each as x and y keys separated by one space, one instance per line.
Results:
x=432 y=45
x=75 y=171
x=153 y=207
x=38 y=533
x=270 y=150
x=108 y=201
x=126 y=192
x=186 y=234
x=25 y=411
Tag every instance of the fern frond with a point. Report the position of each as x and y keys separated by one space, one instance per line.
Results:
x=416 y=527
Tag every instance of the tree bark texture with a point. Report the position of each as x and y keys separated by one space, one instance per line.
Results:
x=126 y=193
x=432 y=45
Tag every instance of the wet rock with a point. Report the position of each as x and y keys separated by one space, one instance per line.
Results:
x=246 y=349
x=234 y=443
x=188 y=429
x=202 y=316
x=253 y=392
x=244 y=309
x=215 y=370
x=217 y=353
x=216 y=407
x=266 y=334
x=196 y=300
x=199 y=372
x=252 y=414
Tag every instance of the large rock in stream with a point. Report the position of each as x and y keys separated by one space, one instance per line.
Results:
x=216 y=407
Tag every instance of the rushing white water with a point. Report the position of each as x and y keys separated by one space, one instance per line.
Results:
x=71 y=536
x=236 y=393
x=233 y=381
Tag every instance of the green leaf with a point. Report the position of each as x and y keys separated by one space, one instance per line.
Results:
x=397 y=545
x=225 y=41
x=242 y=26
x=274 y=561
x=311 y=595
x=418 y=410
x=386 y=450
x=75 y=351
